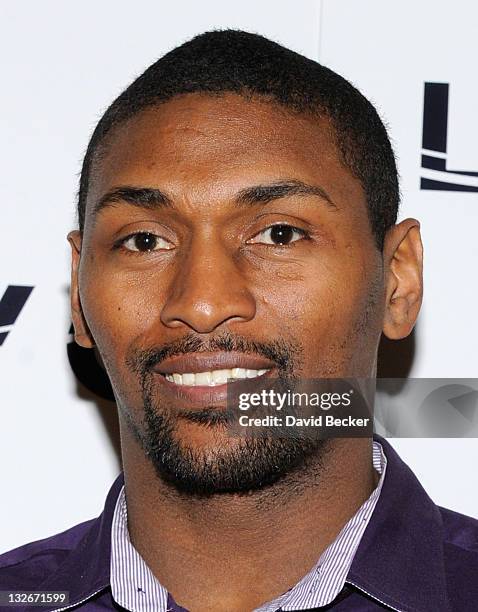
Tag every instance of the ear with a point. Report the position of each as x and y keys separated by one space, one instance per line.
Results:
x=403 y=267
x=83 y=335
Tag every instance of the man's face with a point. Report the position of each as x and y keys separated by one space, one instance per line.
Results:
x=256 y=259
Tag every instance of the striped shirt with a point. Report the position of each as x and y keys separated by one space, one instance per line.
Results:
x=134 y=586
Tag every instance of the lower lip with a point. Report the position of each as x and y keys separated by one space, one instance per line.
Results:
x=205 y=394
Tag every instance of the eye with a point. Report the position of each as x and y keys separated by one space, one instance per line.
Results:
x=278 y=235
x=145 y=242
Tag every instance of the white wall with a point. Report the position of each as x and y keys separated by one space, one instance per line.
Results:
x=62 y=65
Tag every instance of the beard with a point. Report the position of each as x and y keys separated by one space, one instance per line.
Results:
x=237 y=464
x=250 y=464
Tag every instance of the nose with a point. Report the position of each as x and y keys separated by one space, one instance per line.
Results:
x=208 y=289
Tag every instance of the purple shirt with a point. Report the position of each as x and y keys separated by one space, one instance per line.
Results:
x=413 y=556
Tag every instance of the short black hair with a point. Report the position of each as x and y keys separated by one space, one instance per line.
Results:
x=248 y=64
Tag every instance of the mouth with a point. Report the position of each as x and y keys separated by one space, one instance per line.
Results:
x=205 y=377
x=213 y=378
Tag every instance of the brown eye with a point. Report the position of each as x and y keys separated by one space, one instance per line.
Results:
x=145 y=242
x=279 y=235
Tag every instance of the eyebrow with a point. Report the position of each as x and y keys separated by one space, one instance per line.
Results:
x=143 y=197
x=153 y=198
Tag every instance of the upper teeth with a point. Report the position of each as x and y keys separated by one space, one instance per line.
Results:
x=212 y=378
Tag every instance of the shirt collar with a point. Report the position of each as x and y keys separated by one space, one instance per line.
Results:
x=326 y=579
x=400 y=559
x=133 y=584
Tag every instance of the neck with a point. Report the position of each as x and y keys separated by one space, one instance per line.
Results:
x=211 y=553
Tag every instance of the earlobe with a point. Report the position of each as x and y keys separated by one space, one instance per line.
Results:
x=83 y=335
x=403 y=260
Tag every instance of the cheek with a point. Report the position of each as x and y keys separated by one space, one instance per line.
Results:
x=118 y=309
x=324 y=306
x=312 y=293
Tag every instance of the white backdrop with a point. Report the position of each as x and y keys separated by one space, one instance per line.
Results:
x=63 y=63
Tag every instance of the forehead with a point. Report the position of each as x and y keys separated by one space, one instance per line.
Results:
x=199 y=145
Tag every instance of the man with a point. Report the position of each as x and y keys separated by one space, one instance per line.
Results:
x=237 y=218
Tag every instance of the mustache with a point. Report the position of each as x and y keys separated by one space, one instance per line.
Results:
x=284 y=354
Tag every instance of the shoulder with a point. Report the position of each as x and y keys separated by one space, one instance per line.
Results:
x=460 y=530
x=30 y=564
x=460 y=548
